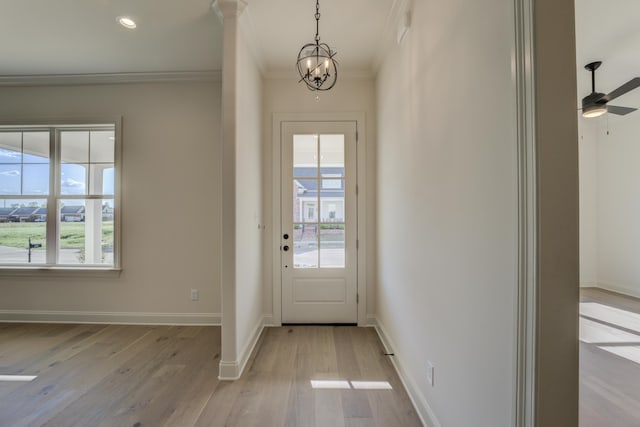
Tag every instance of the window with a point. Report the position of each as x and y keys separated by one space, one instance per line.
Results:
x=332 y=184
x=58 y=196
x=310 y=211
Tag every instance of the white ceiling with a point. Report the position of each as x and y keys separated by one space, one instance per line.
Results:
x=608 y=31
x=83 y=36
x=354 y=28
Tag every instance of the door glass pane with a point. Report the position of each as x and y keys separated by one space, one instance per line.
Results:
x=332 y=154
x=332 y=246
x=305 y=246
x=332 y=206
x=305 y=156
x=305 y=200
x=23 y=224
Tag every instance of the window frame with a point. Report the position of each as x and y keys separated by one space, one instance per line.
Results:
x=55 y=127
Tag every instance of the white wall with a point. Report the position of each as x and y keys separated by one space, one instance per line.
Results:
x=611 y=176
x=351 y=94
x=588 y=145
x=249 y=230
x=170 y=202
x=447 y=201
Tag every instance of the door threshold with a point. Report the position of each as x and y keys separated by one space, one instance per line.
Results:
x=319 y=324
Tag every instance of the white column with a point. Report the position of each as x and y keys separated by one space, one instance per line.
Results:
x=229 y=11
x=93 y=218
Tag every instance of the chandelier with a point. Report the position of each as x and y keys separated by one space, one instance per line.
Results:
x=316 y=64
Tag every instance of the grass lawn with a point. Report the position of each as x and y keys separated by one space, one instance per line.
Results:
x=16 y=234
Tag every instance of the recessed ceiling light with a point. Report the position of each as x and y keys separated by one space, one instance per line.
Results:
x=127 y=22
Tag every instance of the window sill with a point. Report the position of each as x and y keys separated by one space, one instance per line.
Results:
x=59 y=271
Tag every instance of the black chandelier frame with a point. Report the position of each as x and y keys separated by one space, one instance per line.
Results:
x=319 y=53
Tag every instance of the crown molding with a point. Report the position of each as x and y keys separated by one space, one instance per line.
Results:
x=280 y=74
x=110 y=78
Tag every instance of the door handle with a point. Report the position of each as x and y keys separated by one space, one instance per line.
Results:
x=285 y=248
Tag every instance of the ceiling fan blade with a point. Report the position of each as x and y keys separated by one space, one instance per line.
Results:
x=627 y=87
x=621 y=111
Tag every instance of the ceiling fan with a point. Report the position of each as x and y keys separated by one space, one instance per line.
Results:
x=595 y=104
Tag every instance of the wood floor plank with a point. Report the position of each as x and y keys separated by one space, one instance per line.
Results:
x=118 y=378
x=97 y=375
x=221 y=403
x=609 y=382
x=218 y=407
x=68 y=381
x=301 y=398
x=355 y=404
x=155 y=401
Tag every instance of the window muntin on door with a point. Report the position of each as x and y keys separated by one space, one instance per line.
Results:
x=318 y=187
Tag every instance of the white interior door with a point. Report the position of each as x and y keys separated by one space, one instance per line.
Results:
x=319 y=222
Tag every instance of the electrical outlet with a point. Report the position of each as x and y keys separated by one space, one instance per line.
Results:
x=430 y=372
x=195 y=294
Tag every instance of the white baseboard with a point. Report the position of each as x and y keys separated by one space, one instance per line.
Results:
x=228 y=371
x=618 y=289
x=371 y=320
x=232 y=370
x=116 y=318
x=426 y=414
x=588 y=285
x=267 y=320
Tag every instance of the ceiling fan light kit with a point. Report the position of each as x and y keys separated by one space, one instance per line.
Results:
x=595 y=110
x=316 y=63
x=596 y=104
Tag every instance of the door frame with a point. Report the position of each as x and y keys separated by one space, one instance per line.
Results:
x=359 y=119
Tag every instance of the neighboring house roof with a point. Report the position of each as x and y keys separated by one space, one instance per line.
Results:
x=6 y=211
x=25 y=211
x=71 y=210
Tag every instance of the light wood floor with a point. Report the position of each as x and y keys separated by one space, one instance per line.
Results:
x=609 y=383
x=98 y=375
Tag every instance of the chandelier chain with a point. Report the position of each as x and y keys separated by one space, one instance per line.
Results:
x=317 y=16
